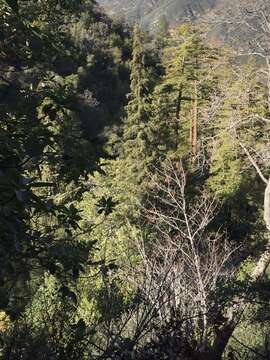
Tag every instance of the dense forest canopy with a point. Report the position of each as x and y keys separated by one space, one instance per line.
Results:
x=134 y=184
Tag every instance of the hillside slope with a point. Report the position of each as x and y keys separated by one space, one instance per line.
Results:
x=150 y=11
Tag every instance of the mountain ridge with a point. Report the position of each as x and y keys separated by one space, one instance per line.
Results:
x=149 y=12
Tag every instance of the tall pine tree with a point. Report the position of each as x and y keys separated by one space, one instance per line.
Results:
x=183 y=91
x=125 y=182
x=135 y=131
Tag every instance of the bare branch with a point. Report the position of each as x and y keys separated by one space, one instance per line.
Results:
x=253 y=162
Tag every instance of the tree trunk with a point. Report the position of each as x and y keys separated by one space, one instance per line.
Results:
x=194 y=126
x=177 y=115
x=179 y=105
x=268 y=81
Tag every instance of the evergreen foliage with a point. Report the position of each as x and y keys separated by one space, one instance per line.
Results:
x=134 y=200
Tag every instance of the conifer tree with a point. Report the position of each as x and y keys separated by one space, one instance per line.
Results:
x=183 y=90
x=135 y=135
x=135 y=151
x=124 y=179
x=240 y=99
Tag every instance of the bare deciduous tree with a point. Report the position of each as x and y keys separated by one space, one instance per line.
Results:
x=188 y=262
